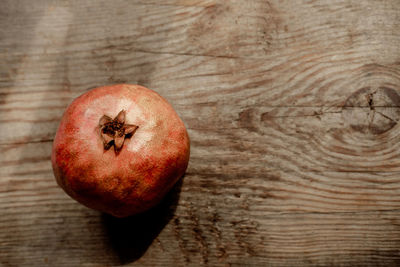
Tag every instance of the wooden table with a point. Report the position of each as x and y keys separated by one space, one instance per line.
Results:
x=292 y=108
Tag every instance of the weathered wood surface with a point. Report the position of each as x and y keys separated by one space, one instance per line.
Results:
x=292 y=108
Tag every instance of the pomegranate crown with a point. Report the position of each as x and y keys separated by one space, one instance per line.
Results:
x=114 y=131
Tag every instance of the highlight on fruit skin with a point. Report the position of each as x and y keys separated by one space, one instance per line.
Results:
x=151 y=149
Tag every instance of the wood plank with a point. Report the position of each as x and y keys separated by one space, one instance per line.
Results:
x=28 y=166
x=203 y=232
x=220 y=28
x=314 y=132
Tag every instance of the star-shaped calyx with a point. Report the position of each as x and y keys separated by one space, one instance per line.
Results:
x=114 y=131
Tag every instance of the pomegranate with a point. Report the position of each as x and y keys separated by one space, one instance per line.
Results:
x=119 y=149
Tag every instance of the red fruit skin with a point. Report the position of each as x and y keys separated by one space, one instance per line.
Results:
x=146 y=168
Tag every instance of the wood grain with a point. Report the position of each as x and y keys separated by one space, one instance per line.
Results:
x=292 y=108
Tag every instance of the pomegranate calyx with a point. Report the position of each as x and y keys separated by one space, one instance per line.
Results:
x=114 y=131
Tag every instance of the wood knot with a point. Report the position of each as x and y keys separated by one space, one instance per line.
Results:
x=372 y=110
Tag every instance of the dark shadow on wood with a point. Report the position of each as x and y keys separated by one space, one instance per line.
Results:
x=130 y=237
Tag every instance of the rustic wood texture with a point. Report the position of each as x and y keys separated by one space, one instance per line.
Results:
x=292 y=108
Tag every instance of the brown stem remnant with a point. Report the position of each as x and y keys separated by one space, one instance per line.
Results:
x=114 y=131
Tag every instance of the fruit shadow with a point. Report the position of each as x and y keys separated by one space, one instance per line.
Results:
x=130 y=237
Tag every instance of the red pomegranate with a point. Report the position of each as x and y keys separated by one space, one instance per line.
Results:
x=119 y=149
